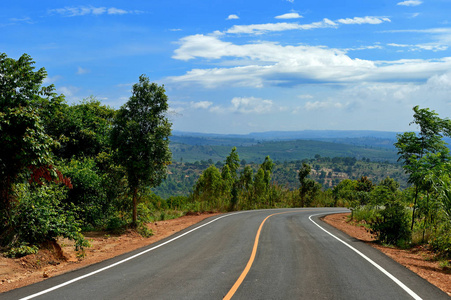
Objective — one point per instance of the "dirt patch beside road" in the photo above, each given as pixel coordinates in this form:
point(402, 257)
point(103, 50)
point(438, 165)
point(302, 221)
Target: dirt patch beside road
point(417, 259)
point(58, 258)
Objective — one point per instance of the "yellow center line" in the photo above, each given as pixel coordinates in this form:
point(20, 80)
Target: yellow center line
point(251, 260)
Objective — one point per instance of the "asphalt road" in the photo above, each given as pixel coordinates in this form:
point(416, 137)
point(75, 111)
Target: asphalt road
point(296, 257)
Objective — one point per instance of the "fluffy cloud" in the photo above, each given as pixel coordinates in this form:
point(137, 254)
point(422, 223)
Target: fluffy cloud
point(292, 15)
point(251, 105)
point(232, 17)
point(410, 3)
point(90, 10)
point(201, 104)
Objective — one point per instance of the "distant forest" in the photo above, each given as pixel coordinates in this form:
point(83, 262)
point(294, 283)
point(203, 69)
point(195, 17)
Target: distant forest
point(332, 159)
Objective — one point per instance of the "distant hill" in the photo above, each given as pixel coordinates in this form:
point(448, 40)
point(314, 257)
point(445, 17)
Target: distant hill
point(365, 138)
point(278, 150)
point(286, 145)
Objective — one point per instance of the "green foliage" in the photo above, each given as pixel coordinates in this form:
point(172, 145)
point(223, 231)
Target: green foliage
point(89, 193)
point(83, 130)
point(22, 136)
point(22, 250)
point(39, 215)
point(391, 225)
point(233, 162)
point(424, 153)
point(140, 137)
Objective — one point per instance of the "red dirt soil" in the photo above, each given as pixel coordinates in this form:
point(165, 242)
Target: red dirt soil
point(58, 258)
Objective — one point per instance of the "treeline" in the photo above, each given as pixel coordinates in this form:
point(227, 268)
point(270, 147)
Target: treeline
point(325, 170)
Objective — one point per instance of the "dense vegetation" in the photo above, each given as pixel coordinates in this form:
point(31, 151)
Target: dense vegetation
point(325, 170)
point(69, 168)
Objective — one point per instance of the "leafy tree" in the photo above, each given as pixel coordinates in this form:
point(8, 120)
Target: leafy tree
point(140, 136)
point(209, 185)
point(308, 186)
point(233, 161)
point(422, 153)
point(26, 147)
point(83, 130)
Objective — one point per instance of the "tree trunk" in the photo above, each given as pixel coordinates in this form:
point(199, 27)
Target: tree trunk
point(135, 207)
point(414, 207)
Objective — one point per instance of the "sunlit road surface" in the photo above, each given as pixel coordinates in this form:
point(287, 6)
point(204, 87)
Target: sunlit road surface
point(263, 254)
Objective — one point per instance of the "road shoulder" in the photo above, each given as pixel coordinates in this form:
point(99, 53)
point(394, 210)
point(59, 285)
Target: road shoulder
point(419, 260)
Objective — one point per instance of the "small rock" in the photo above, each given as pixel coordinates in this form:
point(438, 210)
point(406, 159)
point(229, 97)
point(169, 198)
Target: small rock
point(45, 275)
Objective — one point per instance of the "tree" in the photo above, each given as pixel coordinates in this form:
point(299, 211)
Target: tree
point(209, 186)
point(308, 186)
point(140, 137)
point(233, 161)
point(25, 145)
point(83, 130)
point(422, 153)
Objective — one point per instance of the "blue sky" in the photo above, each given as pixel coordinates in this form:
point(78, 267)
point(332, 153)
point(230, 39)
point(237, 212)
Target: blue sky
point(246, 66)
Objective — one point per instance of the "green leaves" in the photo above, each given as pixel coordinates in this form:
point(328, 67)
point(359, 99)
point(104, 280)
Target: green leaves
point(140, 136)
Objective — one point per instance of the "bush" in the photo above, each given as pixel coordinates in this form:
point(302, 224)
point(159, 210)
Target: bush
point(22, 250)
point(391, 225)
point(441, 240)
point(39, 216)
point(88, 193)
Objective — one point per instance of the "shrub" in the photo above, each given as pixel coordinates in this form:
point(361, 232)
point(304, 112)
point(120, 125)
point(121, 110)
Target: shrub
point(391, 225)
point(39, 216)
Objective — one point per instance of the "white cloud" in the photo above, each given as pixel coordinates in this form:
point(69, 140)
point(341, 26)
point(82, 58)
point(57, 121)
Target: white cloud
point(68, 91)
point(410, 3)
point(429, 47)
point(364, 20)
point(116, 11)
point(201, 104)
point(90, 10)
point(51, 80)
point(251, 105)
point(440, 82)
point(232, 17)
point(321, 105)
point(259, 29)
point(263, 28)
point(81, 71)
point(271, 64)
point(292, 15)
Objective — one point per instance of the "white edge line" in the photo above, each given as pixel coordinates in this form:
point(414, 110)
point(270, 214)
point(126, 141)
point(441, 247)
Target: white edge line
point(124, 260)
point(396, 280)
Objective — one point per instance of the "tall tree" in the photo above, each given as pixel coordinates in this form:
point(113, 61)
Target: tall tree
point(233, 161)
point(424, 152)
point(308, 186)
point(140, 135)
point(25, 145)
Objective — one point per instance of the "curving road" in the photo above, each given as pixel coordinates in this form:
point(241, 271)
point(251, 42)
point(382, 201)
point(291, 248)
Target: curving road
point(264, 254)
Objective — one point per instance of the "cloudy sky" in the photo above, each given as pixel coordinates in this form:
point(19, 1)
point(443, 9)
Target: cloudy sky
point(235, 66)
